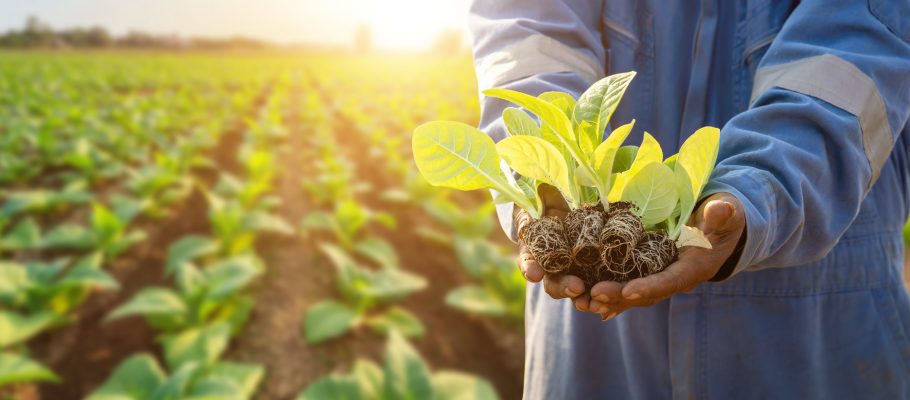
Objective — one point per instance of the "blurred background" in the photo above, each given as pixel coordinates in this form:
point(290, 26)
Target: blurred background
point(216, 199)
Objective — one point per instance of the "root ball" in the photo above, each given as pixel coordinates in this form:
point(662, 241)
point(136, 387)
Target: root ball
point(546, 240)
point(619, 237)
point(583, 228)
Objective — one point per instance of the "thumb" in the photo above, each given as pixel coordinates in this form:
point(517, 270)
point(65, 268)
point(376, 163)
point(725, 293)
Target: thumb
point(717, 214)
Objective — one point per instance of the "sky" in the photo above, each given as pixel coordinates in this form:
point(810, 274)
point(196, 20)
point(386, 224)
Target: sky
point(396, 24)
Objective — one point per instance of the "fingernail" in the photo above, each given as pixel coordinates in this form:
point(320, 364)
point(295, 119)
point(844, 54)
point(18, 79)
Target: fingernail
point(602, 298)
point(608, 317)
point(570, 293)
point(633, 296)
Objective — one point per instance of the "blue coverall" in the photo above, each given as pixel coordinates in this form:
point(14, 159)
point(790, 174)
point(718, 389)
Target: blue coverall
point(812, 98)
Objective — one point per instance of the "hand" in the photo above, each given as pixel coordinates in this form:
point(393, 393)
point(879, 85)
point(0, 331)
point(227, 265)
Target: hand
point(722, 220)
point(557, 286)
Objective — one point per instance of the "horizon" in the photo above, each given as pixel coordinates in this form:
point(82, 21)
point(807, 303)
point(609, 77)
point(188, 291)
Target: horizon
point(395, 24)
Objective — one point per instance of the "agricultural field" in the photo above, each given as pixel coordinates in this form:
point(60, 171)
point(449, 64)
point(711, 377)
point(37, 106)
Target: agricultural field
point(237, 226)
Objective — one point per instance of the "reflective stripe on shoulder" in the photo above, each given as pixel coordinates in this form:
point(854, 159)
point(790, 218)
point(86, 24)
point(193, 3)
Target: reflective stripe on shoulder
point(535, 54)
point(840, 83)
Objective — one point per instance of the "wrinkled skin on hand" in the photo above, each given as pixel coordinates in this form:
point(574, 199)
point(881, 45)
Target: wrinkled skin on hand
point(720, 217)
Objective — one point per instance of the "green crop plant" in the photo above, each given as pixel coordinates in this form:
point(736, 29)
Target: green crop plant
point(35, 297)
point(346, 222)
point(501, 289)
point(106, 232)
point(622, 224)
point(43, 201)
point(403, 375)
point(362, 290)
point(198, 373)
point(207, 294)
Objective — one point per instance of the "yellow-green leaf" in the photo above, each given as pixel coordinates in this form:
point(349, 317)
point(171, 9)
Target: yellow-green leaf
point(652, 189)
point(598, 103)
point(538, 159)
point(695, 161)
point(456, 155)
point(519, 123)
point(606, 151)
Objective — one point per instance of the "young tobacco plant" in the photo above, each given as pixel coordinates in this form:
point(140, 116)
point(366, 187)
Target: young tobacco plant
point(35, 297)
point(194, 358)
point(362, 289)
point(501, 289)
point(403, 375)
point(204, 295)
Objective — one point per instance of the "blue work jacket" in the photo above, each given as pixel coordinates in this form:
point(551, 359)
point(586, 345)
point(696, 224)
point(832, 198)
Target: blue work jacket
point(812, 99)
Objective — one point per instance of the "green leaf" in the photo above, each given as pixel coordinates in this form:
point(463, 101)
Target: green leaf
point(25, 235)
point(87, 272)
point(246, 376)
point(214, 388)
point(647, 153)
point(369, 378)
point(562, 100)
point(605, 155)
point(378, 250)
point(519, 123)
point(407, 376)
point(398, 319)
point(136, 378)
point(202, 345)
point(14, 283)
point(550, 116)
point(538, 159)
point(459, 156)
point(653, 190)
point(16, 368)
point(228, 276)
point(260, 221)
point(624, 157)
point(176, 385)
point(389, 285)
point(69, 236)
point(451, 385)
point(332, 388)
point(696, 160)
point(326, 320)
point(188, 249)
point(476, 300)
point(597, 104)
point(17, 328)
point(152, 302)
point(104, 222)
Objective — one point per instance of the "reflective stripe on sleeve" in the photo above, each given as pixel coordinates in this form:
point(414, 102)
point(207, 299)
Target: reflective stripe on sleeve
point(535, 54)
point(840, 83)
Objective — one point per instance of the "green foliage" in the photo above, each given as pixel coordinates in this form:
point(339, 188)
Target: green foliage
point(346, 222)
point(141, 377)
point(403, 375)
point(363, 290)
point(501, 291)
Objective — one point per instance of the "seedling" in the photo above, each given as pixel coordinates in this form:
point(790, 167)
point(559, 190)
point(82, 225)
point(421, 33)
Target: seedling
point(363, 290)
point(404, 375)
point(623, 223)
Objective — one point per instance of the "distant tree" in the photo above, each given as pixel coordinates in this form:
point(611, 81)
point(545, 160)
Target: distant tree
point(363, 39)
point(37, 33)
point(447, 42)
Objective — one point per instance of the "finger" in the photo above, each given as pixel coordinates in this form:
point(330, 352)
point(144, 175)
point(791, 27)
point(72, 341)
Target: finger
point(608, 292)
point(530, 268)
point(562, 286)
point(717, 215)
point(685, 272)
point(582, 302)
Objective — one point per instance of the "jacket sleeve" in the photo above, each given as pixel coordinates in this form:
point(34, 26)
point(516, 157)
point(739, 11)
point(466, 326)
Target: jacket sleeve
point(533, 47)
point(828, 100)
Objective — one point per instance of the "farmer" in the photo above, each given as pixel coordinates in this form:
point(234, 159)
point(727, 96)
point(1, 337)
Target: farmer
point(802, 294)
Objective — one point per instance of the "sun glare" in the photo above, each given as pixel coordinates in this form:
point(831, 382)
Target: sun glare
point(412, 24)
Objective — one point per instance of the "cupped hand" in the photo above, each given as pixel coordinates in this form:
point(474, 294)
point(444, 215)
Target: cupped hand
point(722, 220)
point(558, 286)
